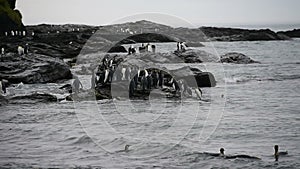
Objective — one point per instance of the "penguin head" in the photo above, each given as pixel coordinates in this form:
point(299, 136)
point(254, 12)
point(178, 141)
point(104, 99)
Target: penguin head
point(222, 150)
point(276, 147)
point(127, 147)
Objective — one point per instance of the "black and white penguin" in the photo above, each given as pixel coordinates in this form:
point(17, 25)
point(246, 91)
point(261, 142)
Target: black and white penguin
point(93, 80)
point(153, 48)
point(2, 51)
point(198, 93)
point(123, 70)
point(106, 74)
point(77, 84)
point(222, 154)
point(20, 50)
point(277, 153)
point(26, 49)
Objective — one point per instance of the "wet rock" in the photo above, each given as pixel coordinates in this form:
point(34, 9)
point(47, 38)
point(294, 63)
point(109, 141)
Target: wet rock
point(33, 68)
point(196, 56)
point(117, 49)
point(32, 98)
point(147, 37)
point(194, 77)
point(237, 58)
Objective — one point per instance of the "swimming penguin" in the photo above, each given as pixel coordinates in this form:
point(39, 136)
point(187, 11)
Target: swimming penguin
point(20, 50)
point(277, 153)
point(20, 85)
point(126, 149)
point(222, 154)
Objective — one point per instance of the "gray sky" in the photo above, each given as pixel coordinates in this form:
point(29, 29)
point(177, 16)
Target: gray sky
point(197, 12)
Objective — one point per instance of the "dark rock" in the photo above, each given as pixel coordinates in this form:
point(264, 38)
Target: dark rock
point(117, 49)
point(147, 37)
point(196, 56)
point(237, 58)
point(33, 98)
point(194, 77)
point(10, 19)
point(33, 68)
point(292, 33)
point(194, 44)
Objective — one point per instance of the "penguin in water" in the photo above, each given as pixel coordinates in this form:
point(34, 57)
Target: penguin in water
point(126, 149)
point(277, 153)
point(222, 154)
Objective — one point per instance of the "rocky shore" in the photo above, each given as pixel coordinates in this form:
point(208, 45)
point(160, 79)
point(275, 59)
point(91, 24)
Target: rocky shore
point(37, 54)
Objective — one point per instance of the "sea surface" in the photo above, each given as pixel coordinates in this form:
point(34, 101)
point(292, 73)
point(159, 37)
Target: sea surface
point(252, 108)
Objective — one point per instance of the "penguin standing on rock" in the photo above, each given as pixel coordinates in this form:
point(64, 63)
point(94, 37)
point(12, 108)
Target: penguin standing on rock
point(20, 50)
point(2, 51)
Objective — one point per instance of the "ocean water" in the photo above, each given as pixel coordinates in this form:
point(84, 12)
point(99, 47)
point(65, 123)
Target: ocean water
point(252, 108)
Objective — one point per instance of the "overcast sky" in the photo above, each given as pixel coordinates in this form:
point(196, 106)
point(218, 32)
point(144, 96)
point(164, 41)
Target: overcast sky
point(197, 12)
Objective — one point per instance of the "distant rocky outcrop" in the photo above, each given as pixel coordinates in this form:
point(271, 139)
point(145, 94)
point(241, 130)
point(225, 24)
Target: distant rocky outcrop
point(33, 68)
point(10, 18)
point(235, 34)
point(291, 33)
point(237, 58)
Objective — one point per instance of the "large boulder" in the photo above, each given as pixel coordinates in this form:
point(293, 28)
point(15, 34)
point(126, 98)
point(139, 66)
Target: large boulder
point(194, 77)
point(10, 19)
point(237, 58)
point(33, 68)
point(196, 56)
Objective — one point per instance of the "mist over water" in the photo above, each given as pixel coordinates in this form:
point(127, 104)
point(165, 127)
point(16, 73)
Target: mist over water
point(261, 110)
